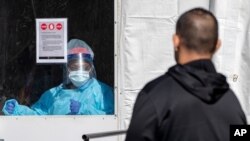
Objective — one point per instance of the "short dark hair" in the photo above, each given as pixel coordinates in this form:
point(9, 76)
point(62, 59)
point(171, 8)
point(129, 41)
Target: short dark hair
point(198, 30)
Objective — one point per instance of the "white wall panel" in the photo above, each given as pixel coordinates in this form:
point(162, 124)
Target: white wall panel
point(146, 48)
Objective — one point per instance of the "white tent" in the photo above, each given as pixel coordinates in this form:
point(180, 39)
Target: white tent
point(146, 48)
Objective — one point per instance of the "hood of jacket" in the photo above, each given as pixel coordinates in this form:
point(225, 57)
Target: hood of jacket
point(200, 79)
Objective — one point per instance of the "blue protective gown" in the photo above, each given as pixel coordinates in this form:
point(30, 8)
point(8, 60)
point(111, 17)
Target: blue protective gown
point(96, 98)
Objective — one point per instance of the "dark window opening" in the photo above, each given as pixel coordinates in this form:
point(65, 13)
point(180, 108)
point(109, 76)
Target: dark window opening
point(20, 77)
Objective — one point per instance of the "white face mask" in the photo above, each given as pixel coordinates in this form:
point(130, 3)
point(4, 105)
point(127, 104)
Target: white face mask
point(78, 78)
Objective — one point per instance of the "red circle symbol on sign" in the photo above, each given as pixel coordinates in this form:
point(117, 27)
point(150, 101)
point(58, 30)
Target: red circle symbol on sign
point(43, 26)
point(51, 26)
point(59, 26)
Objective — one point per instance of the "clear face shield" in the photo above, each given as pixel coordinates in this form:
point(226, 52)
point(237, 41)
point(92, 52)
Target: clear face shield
point(80, 68)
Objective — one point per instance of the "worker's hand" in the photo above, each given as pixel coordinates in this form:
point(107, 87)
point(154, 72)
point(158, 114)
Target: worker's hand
point(74, 106)
point(10, 106)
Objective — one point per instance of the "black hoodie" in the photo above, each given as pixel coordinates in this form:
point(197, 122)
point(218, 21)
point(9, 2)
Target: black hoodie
point(191, 102)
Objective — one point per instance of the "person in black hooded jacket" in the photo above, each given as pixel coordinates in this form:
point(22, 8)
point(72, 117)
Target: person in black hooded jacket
point(191, 102)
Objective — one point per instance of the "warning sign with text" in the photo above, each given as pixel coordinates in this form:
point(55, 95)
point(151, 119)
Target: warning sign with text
point(51, 40)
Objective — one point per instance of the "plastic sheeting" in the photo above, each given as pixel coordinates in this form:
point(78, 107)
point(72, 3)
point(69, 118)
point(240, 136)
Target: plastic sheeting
point(233, 58)
point(146, 48)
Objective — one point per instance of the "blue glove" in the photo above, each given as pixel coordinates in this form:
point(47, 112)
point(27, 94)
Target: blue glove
point(74, 106)
point(10, 106)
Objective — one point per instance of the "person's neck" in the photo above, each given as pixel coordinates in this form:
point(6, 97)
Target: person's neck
point(189, 56)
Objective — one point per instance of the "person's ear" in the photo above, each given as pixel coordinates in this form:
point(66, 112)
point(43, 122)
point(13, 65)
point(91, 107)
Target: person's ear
point(218, 45)
point(176, 42)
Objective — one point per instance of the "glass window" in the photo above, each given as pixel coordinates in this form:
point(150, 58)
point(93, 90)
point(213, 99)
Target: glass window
point(20, 77)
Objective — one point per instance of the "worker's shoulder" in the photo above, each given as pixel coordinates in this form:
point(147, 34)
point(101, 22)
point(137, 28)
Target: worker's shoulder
point(103, 86)
point(162, 81)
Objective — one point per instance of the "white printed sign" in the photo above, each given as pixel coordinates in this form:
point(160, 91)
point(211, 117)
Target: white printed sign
point(51, 40)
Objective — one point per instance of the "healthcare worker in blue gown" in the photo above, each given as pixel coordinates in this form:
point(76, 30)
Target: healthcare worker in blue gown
point(80, 94)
